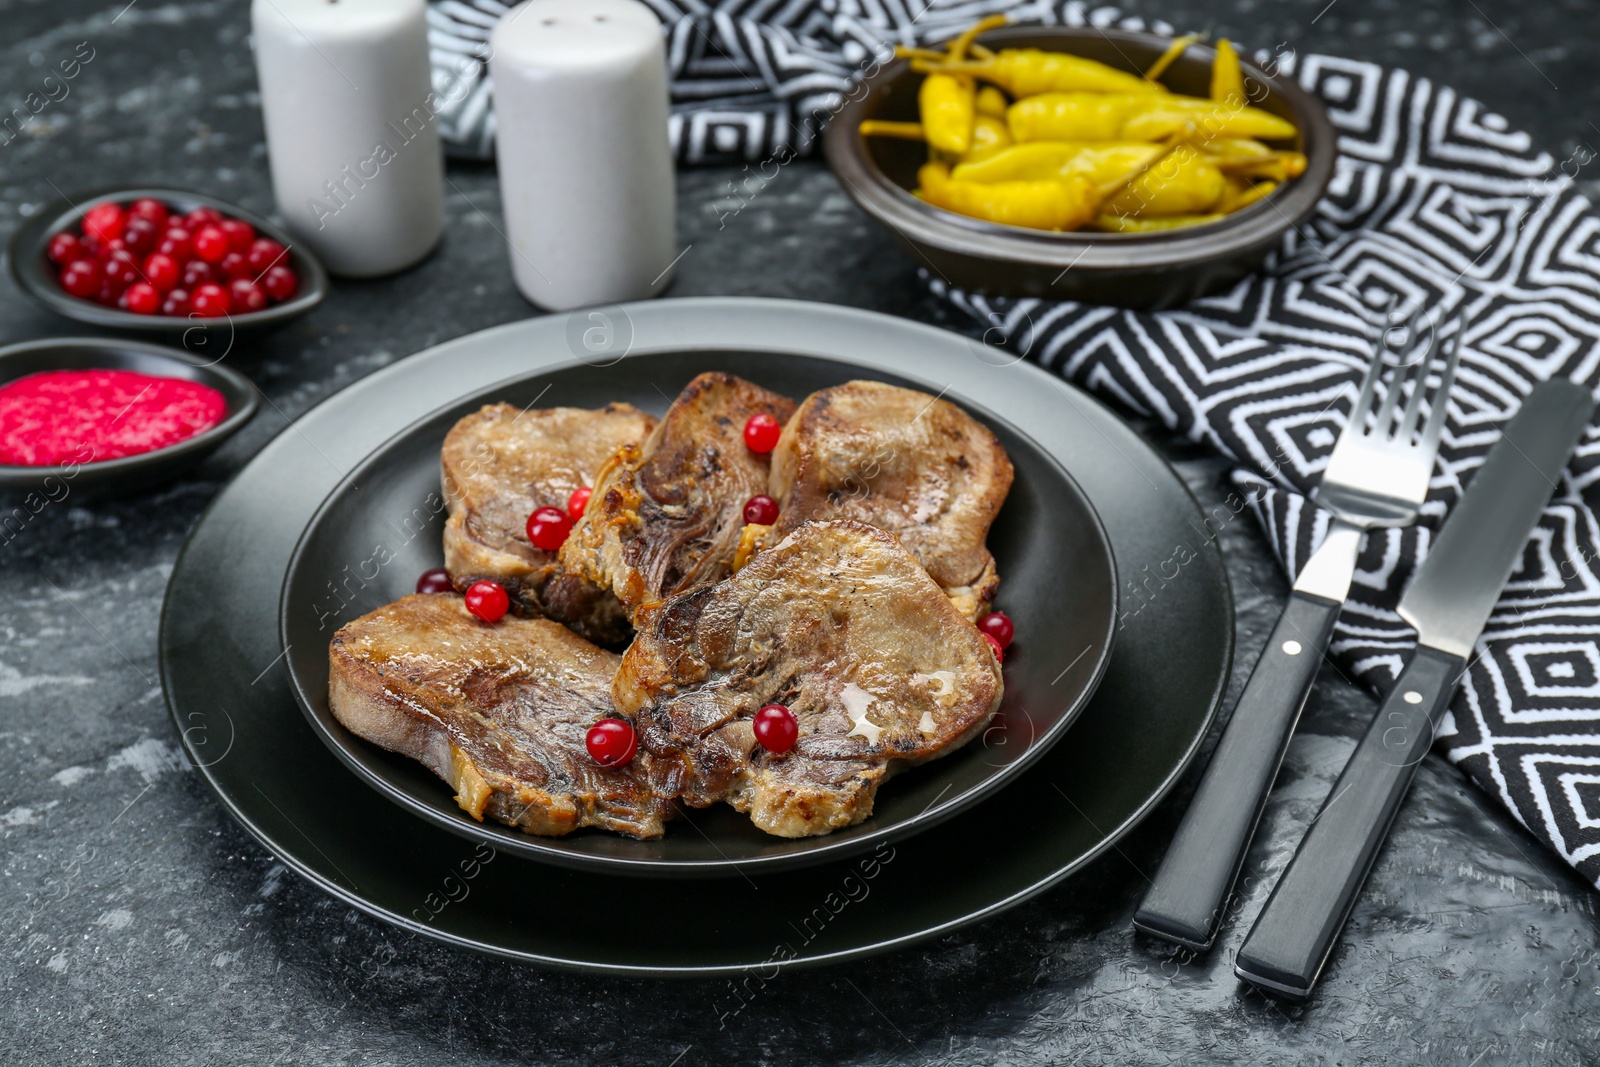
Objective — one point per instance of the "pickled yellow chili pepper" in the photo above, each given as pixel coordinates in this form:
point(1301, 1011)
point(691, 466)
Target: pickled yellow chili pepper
point(1063, 204)
point(1136, 117)
point(989, 135)
point(1029, 71)
point(1242, 194)
point(1128, 224)
point(1167, 58)
point(1070, 116)
point(948, 109)
point(904, 131)
point(1181, 184)
point(992, 101)
point(1208, 117)
point(1227, 80)
point(1099, 161)
point(960, 45)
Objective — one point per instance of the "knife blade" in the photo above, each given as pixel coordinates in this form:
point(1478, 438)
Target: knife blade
point(1448, 602)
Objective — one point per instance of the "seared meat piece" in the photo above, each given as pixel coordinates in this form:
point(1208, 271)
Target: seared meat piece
point(902, 461)
point(666, 517)
point(839, 623)
point(499, 712)
point(501, 463)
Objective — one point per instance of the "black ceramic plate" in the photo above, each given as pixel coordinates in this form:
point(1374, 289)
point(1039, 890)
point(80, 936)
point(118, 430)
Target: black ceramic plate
point(36, 275)
point(128, 473)
point(1058, 583)
point(228, 692)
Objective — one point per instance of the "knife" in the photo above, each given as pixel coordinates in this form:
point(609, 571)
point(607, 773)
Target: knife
point(1448, 602)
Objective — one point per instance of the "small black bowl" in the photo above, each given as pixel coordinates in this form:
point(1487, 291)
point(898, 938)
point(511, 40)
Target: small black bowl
point(114, 477)
point(1145, 271)
point(38, 277)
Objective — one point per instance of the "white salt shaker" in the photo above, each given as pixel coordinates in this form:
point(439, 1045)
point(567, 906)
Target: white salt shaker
point(350, 113)
point(580, 101)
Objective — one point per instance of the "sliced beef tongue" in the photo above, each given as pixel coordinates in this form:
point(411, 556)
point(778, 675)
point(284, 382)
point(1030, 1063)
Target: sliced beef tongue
point(903, 461)
point(500, 712)
point(501, 463)
point(839, 623)
point(666, 516)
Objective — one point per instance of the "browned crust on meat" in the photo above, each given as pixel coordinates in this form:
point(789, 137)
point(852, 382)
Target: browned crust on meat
point(903, 461)
point(666, 516)
point(497, 711)
point(839, 623)
point(501, 463)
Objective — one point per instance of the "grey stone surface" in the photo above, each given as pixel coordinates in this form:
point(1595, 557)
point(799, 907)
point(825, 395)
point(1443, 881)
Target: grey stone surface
point(139, 925)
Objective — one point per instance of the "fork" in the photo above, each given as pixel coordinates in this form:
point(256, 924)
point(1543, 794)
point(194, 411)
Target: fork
point(1377, 476)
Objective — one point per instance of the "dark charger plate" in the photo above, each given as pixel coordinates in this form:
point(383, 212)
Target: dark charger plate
point(228, 692)
point(381, 527)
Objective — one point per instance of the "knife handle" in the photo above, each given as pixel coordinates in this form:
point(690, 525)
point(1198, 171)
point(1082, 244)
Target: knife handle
point(1286, 949)
point(1186, 900)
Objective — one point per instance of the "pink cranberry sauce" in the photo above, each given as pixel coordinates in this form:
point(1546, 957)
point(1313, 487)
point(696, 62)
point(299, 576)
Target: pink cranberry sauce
point(85, 416)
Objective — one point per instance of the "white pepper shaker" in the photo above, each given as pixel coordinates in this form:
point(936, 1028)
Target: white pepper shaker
point(350, 113)
point(586, 178)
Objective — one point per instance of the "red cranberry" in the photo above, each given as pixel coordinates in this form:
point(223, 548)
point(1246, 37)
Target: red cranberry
point(105, 221)
point(435, 581)
point(178, 243)
point(162, 271)
point(280, 282)
point(211, 244)
point(998, 625)
point(997, 648)
point(776, 728)
point(487, 600)
point(83, 278)
point(105, 248)
point(141, 236)
point(264, 253)
point(121, 267)
point(761, 509)
point(578, 503)
point(211, 301)
point(196, 274)
point(141, 298)
point(245, 295)
point(177, 303)
point(548, 528)
point(611, 742)
point(233, 266)
point(200, 217)
point(110, 293)
point(64, 248)
point(154, 210)
point(241, 235)
point(761, 432)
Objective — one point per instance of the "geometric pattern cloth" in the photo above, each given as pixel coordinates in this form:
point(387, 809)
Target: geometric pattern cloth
point(1437, 209)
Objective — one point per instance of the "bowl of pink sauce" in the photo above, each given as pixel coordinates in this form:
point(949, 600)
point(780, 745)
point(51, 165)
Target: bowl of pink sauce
point(98, 416)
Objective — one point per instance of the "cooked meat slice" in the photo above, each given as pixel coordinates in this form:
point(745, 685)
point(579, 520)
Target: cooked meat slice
point(498, 466)
point(499, 712)
point(902, 461)
point(666, 516)
point(839, 623)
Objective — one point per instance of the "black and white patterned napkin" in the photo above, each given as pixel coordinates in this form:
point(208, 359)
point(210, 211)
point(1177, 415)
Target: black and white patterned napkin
point(1436, 204)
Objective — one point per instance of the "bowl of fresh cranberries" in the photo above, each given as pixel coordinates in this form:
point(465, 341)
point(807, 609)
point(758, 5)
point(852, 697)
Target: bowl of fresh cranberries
point(163, 261)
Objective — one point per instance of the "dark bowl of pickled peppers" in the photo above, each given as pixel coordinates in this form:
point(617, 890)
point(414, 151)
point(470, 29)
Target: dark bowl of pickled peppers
point(1152, 200)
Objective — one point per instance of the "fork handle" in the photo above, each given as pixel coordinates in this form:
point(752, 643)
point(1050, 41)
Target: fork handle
point(1186, 901)
point(1296, 930)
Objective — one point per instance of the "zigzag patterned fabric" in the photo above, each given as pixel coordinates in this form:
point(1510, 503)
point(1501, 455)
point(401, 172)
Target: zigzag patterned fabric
point(1436, 205)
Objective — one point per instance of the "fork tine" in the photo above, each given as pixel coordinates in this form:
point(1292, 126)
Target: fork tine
point(1441, 398)
point(1382, 425)
point(1408, 419)
point(1360, 409)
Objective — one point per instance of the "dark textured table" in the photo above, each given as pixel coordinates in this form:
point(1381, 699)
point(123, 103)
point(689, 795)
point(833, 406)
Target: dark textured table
point(139, 925)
